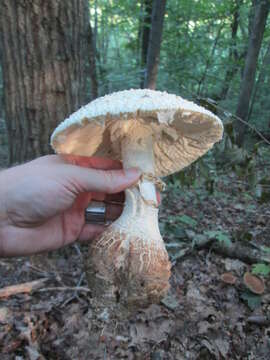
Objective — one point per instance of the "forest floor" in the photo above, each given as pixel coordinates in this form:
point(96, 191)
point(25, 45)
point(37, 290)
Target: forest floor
point(201, 318)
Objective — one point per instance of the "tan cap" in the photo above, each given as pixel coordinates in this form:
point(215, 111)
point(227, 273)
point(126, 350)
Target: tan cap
point(182, 131)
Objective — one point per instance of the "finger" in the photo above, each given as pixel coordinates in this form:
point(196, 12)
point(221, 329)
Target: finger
point(113, 211)
point(93, 162)
point(90, 231)
point(108, 181)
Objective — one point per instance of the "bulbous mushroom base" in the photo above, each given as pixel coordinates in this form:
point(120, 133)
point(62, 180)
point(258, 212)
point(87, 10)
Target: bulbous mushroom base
point(129, 270)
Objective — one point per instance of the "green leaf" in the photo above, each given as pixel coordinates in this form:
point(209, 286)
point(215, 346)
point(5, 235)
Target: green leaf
point(261, 269)
point(265, 249)
point(218, 235)
point(188, 220)
point(253, 301)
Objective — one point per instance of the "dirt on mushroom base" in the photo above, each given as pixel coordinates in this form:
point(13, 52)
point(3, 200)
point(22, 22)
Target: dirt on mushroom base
point(202, 318)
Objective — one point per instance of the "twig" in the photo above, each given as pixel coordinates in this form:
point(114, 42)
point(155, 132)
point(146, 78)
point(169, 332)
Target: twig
point(78, 251)
point(235, 251)
point(75, 295)
point(247, 184)
point(25, 288)
point(250, 126)
point(65, 288)
point(259, 320)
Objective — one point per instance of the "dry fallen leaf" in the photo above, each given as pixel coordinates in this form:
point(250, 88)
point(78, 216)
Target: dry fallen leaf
point(254, 283)
point(152, 332)
point(228, 278)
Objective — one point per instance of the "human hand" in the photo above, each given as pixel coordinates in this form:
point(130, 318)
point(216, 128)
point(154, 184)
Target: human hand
point(42, 202)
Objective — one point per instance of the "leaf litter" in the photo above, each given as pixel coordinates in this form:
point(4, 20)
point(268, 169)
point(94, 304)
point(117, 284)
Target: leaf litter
point(202, 316)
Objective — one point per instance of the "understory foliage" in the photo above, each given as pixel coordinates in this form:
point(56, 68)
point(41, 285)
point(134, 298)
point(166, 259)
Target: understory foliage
point(198, 51)
point(204, 45)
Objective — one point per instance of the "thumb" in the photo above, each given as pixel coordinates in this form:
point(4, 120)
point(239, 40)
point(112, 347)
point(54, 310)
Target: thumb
point(107, 181)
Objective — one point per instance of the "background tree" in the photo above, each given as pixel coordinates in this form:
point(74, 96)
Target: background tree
point(145, 30)
point(262, 78)
point(254, 46)
point(92, 63)
point(44, 52)
point(233, 52)
point(153, 51)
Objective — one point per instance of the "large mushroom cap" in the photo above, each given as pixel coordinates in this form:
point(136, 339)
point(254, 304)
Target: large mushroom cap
point(182, 131)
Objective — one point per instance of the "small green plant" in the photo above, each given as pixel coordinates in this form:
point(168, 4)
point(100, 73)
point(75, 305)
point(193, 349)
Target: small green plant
point(261, 269)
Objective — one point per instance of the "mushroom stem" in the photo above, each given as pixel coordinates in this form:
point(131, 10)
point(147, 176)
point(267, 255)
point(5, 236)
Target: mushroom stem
point(137, 151)
point(130, 259)
point(139, 218)
point(140, 214)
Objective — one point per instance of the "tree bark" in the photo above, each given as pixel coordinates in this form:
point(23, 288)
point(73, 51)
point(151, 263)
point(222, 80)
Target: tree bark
point(146, 26)
point(92, 61)
point(44, 52)
point(153, 51)
point(254, 45)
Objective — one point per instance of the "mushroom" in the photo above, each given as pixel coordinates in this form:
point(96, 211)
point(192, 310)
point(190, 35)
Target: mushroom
point(254, 283)
point(160, 133)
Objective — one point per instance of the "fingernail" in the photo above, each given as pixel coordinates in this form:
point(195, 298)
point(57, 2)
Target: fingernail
point(133, 173)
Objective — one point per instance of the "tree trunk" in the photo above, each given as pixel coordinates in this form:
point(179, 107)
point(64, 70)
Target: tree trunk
point(208, 62)
point(146, 26)
point(102, 42)
point(254, 45)
point(100, 68)
point(44, 52)
point(153, 51)
point(264, 69)
point(92, 61)
point(233, 54)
